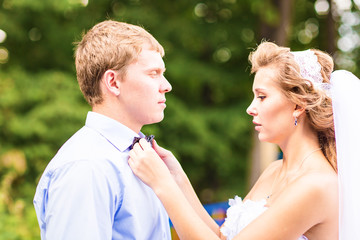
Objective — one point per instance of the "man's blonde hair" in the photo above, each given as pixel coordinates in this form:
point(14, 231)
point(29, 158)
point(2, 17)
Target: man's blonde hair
point(108, 45)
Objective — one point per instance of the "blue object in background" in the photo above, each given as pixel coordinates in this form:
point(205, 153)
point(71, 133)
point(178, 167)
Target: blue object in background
point(216, 210)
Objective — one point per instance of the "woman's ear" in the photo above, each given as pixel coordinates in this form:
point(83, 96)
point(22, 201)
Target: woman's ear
point(298, 111)
point(111, 80)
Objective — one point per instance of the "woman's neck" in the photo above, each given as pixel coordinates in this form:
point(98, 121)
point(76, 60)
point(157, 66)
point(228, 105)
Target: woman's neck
point(300, 145)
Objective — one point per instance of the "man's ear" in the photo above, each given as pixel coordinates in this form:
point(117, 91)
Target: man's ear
point(298, 111)
point(111, 80)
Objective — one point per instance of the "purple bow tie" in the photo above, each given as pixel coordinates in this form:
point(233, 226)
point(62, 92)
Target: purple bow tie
point(147, 138)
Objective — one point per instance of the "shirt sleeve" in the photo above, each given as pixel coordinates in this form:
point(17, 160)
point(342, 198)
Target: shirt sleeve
point(80, 203)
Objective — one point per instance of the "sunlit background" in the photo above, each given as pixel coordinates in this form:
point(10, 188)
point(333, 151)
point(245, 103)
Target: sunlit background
point(207, 44)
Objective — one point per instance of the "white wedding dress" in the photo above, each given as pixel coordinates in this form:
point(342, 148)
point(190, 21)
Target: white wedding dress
point(240, 214)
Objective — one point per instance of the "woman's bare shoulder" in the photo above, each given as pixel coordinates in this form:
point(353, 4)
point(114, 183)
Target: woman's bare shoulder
point(319, 176)
point(319, 189)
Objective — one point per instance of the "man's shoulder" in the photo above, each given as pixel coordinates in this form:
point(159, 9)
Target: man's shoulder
point(77, 165)
point(87, 146)
point(81, 138)
point(86, 141)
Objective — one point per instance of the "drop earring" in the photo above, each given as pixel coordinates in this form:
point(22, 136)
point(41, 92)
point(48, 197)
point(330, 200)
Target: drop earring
point(295, 123)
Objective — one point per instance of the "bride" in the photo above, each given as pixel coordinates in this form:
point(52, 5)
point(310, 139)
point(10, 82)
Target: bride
point(294, 198)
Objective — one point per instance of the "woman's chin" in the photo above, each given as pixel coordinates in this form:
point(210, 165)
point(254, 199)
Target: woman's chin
point(263, 138)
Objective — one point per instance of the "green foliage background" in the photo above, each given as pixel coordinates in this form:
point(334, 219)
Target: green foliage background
point(207, 44)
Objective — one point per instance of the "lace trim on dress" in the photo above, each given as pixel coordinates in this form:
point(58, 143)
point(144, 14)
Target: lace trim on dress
point(240, 214)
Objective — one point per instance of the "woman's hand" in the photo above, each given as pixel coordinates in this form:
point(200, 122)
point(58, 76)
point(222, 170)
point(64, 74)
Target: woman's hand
point(148, 166)
point(171, 162)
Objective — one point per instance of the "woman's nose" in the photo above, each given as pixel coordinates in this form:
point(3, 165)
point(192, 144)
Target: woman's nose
point(251, 109)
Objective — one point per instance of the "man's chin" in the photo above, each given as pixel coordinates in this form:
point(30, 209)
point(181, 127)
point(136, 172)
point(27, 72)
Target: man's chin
point(155, 120)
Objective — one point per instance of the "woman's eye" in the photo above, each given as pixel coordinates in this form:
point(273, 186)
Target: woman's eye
point(261, 97)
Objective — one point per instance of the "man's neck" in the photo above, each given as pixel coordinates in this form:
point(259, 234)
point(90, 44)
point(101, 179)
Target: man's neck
point(117, 115)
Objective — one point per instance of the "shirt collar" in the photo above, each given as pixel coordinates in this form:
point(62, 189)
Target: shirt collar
point(116, 133)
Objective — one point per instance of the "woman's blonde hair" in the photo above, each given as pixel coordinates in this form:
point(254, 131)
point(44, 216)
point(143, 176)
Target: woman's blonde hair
point(317, 104)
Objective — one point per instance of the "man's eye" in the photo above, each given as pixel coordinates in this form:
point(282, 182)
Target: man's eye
point(154, 73)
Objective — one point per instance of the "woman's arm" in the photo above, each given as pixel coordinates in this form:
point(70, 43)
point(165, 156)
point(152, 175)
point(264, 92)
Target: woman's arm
point(189, 193)
point(170, 183)
point(187, 222)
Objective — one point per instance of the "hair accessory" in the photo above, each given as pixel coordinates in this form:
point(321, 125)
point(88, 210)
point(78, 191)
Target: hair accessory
point(310, 69)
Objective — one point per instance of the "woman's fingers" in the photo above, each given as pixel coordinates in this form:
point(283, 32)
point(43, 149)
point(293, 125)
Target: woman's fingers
point(132, 154)
point(162, 152)
point(156, 146)
point(141, 151)
point(145, 145)
point(137, 148)
point(146, 164)
point(131, 161)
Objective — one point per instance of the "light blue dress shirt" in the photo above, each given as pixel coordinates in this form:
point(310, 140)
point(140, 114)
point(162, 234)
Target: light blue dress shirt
point(88, 190)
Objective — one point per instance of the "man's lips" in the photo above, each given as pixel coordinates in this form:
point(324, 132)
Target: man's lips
point(162, 102)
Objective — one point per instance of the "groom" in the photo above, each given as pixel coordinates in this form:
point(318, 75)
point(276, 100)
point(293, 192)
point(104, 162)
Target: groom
point(88, 190)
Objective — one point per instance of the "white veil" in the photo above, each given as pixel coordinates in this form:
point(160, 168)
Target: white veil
point(346, 106)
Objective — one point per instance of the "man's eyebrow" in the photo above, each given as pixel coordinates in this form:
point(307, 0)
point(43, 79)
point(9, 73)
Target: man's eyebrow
point(157, 69)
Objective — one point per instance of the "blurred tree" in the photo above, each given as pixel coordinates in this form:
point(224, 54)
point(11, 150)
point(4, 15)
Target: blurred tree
point(276, 21)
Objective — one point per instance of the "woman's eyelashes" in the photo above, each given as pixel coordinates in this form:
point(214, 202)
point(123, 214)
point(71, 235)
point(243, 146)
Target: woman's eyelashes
point(261, 97)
